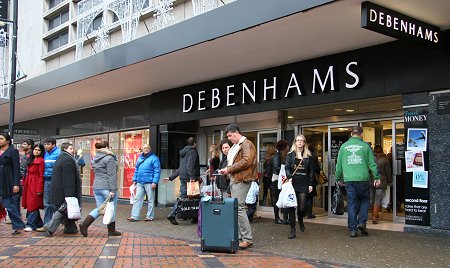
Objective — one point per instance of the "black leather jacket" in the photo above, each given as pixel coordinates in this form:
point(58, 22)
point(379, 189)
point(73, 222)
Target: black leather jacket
point(276, 163)
point(309, 167)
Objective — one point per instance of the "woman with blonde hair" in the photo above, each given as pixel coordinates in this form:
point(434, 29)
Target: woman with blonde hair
point(300, 170)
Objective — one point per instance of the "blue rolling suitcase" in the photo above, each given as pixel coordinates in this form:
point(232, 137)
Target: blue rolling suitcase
point(219, 225)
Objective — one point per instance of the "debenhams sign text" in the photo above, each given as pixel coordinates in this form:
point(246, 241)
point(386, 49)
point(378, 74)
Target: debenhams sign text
point(213, 99)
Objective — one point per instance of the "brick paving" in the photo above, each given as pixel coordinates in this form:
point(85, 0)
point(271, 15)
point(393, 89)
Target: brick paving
point(33, 249)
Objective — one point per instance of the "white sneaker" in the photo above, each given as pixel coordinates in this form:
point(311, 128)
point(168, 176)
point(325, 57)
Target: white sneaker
point(28, 229)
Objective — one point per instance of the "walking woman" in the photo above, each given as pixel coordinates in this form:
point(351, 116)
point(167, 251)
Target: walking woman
point(377, 192)
point(299, 168)
point(33, 188)
point(10, 181)
point(105, 185)
point(278, 159)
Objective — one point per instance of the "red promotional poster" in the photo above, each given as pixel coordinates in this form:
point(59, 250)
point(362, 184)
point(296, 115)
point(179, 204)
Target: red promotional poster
point(132, 150)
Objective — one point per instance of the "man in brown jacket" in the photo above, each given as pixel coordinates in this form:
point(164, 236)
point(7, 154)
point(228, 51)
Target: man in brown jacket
point(242, 170)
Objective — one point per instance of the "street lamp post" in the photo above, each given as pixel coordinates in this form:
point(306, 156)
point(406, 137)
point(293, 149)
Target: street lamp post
point(12, 95)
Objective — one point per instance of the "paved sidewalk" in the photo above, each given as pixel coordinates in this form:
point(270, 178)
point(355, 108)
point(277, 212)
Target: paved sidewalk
point(161, 244)
point(130, 250)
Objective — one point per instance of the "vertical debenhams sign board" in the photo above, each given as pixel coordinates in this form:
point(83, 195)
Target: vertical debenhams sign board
point(385, 21)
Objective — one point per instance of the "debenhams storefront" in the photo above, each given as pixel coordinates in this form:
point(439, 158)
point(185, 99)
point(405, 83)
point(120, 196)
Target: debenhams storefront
point(394, 91)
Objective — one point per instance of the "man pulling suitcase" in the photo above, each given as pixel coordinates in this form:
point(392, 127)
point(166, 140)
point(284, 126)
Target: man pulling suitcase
point(242, 170)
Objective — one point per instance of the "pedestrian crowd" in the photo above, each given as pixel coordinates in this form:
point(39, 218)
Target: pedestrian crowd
point(46, 175)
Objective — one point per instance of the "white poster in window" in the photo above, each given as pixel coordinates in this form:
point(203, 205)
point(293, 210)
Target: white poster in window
point(420, 179)
point(417, 139)
point(414, 161)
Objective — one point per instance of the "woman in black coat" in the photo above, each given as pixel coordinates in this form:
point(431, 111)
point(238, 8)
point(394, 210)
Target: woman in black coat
point(300, 169)
point(10, 182)
point(66, 182)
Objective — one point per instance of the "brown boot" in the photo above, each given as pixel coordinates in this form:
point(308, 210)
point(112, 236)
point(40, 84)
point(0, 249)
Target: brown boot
point(85, 224)
point(112, 229)
point(375, 214)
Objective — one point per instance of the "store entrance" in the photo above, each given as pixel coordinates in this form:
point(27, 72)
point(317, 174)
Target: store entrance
point(326, 139)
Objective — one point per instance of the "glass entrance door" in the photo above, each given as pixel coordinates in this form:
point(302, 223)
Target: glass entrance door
point(266, 150)
point(337, 135)
point(398, 168)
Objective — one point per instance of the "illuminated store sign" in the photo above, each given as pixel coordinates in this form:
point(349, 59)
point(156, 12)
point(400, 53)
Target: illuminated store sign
point(385, 21)
point(267, 89)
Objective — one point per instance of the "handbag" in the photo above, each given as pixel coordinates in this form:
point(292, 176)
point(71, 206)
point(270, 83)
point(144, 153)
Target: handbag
point(73, 208)
point(287, 197)
point(337, 201)
point(109, 213)
point(321, 177)
point(193, 188)
point(102, 207)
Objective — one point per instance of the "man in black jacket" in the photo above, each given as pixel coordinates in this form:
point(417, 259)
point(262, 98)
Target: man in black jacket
point(65, 183)
point(189, 170)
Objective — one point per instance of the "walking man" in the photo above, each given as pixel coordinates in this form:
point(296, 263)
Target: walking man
point(242, 170)
point(355, 159)
point(51, 154)
point(189, 170)
point(66, 182)
point(146, 178)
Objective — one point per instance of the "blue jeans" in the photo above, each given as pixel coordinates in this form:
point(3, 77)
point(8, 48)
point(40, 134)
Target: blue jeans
point(141, 189)
point(183, 195)
point(100, 197)
point(34, 219)
point(10, 203)
point(358, 198)
point(49, 209)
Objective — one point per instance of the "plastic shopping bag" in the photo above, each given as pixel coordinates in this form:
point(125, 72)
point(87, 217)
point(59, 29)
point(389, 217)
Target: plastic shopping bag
point(287, 197)
point(337, 201)
point(73, 208)
point(252, 193)
point(132, 193)
point(109, 213)
point(281, 175)
point(386, 197)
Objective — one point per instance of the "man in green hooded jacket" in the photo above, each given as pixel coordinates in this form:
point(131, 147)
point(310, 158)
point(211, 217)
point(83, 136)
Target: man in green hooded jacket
point(355, 164)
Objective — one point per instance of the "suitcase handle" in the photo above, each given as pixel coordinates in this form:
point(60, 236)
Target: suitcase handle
point(213, 190)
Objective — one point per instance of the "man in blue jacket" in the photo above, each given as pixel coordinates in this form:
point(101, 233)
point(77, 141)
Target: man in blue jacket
point(145, 178)
point(51, 154)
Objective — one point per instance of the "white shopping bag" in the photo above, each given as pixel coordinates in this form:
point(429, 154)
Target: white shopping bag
point(252, 194)
point(132, 193)
point(287, 197)
point(73, 208)
point(386, 197)
point(281, 175)
point(109, 213)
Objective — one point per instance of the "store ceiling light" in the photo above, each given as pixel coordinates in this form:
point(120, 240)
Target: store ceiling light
point(337, 109)
point(350, 110)
point(290, 117)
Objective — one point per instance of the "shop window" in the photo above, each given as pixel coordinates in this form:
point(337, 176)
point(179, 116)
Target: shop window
point(127, 146)
point(58, 19)
point(58, 41)
point(85, 149)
